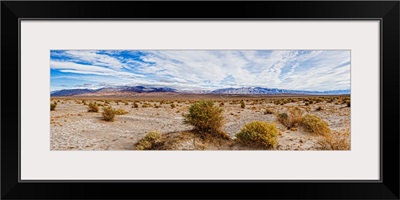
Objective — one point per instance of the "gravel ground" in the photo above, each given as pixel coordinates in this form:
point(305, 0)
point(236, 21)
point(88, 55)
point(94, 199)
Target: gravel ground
point(73, 128)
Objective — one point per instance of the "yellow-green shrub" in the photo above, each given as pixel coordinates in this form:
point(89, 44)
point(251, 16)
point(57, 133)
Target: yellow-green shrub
point(108, 113)
point(53, 106)
point(259, 133)
point(149, 141)
point(315, 125)
point(93, 107)
point(121, 112)
point(205, 117)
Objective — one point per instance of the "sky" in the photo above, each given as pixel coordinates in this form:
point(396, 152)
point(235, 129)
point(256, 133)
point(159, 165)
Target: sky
point(201, 69)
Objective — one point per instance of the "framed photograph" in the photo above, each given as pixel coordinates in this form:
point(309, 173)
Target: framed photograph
point(300, 96)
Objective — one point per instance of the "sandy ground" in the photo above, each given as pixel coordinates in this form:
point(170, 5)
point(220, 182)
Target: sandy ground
point(74, 128)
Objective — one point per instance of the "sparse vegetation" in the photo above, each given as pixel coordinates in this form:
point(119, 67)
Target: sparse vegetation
point(348, 103)
point(292, 119)
point(258, 133)
point(93, 107)
point(336, 140)
point(121, 112)
point(149, 142)
point(206, 118)
point(268, 111)
point(315, 125)
point(214, 122)
point(242, 104)
point(53, 106)
point(108, 114)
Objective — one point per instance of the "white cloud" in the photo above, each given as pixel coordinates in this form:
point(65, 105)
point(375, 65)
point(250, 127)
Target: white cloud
point(182, 69)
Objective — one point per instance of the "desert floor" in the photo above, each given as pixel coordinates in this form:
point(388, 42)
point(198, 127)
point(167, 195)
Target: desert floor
point(74, 128)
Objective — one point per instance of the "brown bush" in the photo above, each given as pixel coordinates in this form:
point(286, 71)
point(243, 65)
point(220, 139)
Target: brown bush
point(336, 140)
point(293, 119)
point(108, 113)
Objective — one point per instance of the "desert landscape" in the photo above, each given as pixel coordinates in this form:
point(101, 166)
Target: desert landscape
point(121, 100)
point(73, 127)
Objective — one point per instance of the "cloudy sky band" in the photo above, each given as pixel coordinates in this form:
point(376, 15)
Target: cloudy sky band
point(201, 69)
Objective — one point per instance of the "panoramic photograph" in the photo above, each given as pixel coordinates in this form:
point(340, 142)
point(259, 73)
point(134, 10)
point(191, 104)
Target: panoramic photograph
point(265, 100)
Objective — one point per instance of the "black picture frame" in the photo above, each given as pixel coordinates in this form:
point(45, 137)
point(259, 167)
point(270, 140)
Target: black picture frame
point(386, 11)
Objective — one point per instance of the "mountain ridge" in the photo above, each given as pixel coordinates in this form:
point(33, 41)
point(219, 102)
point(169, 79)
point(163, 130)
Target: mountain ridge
point(128, 90)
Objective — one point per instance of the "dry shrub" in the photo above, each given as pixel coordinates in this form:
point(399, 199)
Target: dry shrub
point(53, 106)
point(315, 125)
point(121, 112)
point(258, 133)
point(93, 107)
point(293, 119)
point(348, 103)
point(336, 140)
point(268, 111)
point(284, 119)
point(146, 105)
point(108, 114)
point(206, 118)
point(149, 141)
point(135, 105)
point(242, 104)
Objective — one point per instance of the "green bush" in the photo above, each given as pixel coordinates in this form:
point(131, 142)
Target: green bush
point(205, 117)
point(258, 133)
point(149, 141)
point(315, 125)
point(93, 107)
point(53, 106)
point(108, 114)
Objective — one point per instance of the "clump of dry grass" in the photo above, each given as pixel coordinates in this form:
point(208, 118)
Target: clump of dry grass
point(348, 103)
point(336, 140)
point(146, 105)
point(108, 114)
point(242, 104)
point(319, 108)
point(149, 142)
point(135, 105)
point(315, 125)
point(258, 133)
point(293, 119)
point(268, 111)
point(53, 106)
point(121, 112)
point(93, 107)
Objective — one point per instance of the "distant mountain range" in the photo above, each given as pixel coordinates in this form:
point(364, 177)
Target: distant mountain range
point(137, 90)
